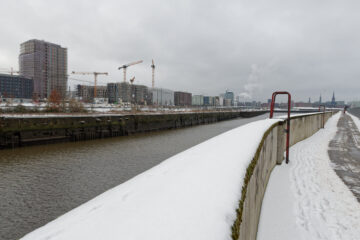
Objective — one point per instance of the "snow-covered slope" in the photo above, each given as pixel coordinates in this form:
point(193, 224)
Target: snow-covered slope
point(306, 199)
point(192, 195)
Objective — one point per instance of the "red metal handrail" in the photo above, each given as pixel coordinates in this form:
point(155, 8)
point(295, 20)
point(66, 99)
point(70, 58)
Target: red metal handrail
point(323, 118)
point(288, 119)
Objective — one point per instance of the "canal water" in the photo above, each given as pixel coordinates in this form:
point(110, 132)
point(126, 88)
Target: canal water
point(40, 183)
point(355, 111)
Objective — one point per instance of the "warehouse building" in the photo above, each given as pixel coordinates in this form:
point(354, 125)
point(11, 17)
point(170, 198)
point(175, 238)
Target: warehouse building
point(13, 86)
point(182, 98)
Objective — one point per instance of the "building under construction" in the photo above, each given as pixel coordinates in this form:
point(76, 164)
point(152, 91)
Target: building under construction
point(141, 94)
point(46, 64)
point(119, 92)
point(86, 93)
point(125, 92)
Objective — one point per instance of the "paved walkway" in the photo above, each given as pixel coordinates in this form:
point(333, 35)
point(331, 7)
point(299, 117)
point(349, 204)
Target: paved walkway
point(344, 152)
point(306, 199)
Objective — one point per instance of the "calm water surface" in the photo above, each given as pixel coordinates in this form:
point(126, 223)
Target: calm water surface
point(40, 183)
point(355, 111)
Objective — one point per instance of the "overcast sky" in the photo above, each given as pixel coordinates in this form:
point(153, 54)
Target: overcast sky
point(308, 47)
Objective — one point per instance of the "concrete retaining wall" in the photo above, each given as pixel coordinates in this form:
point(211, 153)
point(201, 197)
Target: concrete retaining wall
point(16, 132)
point(270, 152)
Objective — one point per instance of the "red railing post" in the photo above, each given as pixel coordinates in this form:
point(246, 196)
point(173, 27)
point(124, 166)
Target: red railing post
point(323, 117)
point(288, 119)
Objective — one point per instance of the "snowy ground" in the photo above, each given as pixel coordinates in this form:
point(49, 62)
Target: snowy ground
point(306, 199)
point(192, 195)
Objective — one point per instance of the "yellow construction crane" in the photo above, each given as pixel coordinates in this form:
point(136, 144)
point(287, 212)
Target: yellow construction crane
point(95, 77)
point(125, 66)
point(153, 73)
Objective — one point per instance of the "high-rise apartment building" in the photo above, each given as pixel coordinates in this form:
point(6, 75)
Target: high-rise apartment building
point(46, 64)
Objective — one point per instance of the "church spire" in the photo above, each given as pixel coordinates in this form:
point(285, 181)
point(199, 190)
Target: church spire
point(333, 102)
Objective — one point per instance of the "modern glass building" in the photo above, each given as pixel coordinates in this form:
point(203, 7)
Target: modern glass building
point(162, 97)
point(197, 100)
point(13, 86)
point(46, 64)
point(229, 97)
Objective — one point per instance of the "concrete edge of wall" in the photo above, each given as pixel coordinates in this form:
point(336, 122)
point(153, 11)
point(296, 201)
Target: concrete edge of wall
point(270, 152)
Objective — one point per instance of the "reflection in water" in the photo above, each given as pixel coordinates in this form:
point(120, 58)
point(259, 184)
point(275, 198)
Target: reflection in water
point(40, 183)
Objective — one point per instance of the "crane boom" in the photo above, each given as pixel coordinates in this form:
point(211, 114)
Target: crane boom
point(90, 73)
point(95, 77)
point(125, 66)
point(133, 63)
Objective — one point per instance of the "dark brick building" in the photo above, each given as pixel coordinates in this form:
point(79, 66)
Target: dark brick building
point(182, 98)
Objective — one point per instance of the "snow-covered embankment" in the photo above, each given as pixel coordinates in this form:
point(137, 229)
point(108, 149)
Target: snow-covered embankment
point(192, 195)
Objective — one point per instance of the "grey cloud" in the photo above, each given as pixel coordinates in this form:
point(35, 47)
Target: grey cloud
point(306, 47)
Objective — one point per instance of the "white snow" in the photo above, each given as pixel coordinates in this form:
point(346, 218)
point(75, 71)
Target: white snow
point(306, 199)
point(192, 195)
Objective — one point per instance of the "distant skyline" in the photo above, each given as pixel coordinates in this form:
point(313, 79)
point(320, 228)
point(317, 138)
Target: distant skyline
point(205, 47)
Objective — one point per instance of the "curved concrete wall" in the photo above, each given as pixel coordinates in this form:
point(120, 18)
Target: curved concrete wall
point(270, 152)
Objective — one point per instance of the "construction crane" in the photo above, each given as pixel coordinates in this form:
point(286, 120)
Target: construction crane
point(153, 73)
point(11, 71)
point(132, 80)
point(125, 66)
point(80, 80)
point(95, 77)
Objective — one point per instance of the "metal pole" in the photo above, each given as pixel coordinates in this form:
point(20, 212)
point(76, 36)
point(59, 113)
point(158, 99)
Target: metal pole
point(288, 130)
point(323, 116)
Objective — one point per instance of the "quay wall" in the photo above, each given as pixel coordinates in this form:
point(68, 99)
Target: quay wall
point(24, 131)
point(270, 152)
